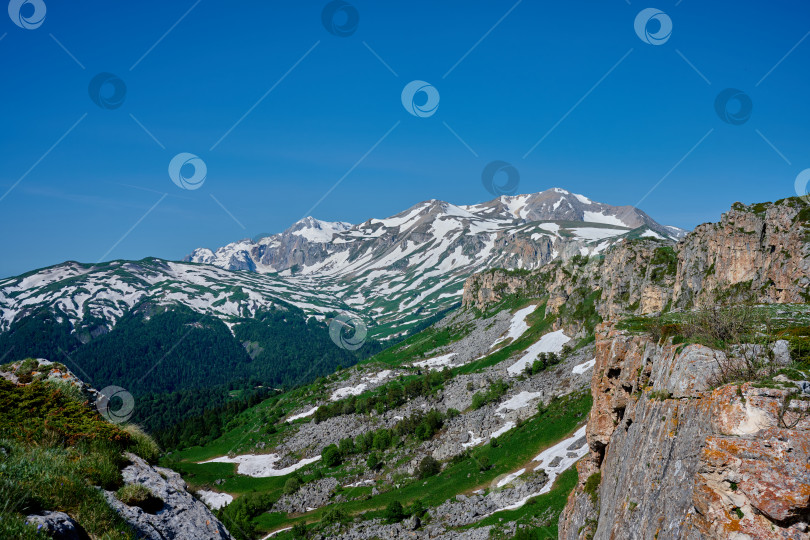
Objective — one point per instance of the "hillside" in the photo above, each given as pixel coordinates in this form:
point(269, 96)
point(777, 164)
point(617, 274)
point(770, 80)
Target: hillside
point(470, 428)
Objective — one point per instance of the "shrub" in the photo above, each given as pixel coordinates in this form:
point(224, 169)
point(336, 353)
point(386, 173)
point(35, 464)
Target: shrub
point(347, 447)
point(743, 333)
point(429, 467)
point(417, 508)
point(140, 496)
point(292, 485)
point(382, 439)
point(496, 390)
point(592, 485)
point(483, 463)
point(331, 456)
point(299, 530)
point(373, 461)
point(394, 512)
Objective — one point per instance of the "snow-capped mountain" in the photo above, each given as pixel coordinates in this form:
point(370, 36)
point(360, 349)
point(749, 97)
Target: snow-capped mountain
point(392, 272)
point(560, 219)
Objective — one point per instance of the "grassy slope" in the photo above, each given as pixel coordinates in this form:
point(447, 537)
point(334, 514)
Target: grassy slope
point(517, 447)
point(53, 450)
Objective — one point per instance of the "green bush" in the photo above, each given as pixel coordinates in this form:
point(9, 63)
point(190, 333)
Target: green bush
point(331, 456)
point(483, 463)
point(429, 467)
point(495, 392)
point(394, 512)
point(299, 530)
point(382, 439)
point(292, 485)
point(373, 461)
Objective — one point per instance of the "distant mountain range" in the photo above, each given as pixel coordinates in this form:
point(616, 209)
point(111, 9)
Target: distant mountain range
point(315, 247)
point(392, 272)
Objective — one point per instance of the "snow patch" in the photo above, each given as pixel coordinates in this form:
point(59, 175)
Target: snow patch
point(341, 393)
point(214, 499)
point(509, 477)
point(582, 198)
point(651, 234)
point(551, 342)
point(517, 326)
point(582, 368)
point(302, 415)
point(599, 217)
point(500, 431)
point(593, 233)
point(518, 402)
point(261, 465)
point(436, 362)
point(474, 441)
point(568, 458)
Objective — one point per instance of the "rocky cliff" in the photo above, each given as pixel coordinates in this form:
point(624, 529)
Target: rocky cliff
point(672, 458)
point(759, 252)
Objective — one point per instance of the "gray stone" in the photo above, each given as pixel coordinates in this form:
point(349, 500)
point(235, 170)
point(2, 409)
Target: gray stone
point(58, 525)
point(182, 517)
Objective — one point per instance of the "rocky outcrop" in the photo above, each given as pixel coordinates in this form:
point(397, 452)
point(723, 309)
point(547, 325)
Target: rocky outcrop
point(182, 517)
point(677, 459)
point(313, 495)
point(760, 248)
point(759, 252)
point(57, 525)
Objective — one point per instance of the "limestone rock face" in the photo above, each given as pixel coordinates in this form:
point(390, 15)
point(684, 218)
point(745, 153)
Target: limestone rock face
point(679, 460)
point(762, 248)
point(182, 517)
point(759, 251)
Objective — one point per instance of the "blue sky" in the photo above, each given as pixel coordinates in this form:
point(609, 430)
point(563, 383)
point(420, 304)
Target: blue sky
point(616, 115)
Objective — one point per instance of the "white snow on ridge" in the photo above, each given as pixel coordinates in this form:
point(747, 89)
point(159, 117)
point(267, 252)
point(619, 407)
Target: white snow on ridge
point(377, 377)
point(582, 198)
point(594, 233)
point(551, 342)
point(582, 368)
point(517, 326)
point(474, 441)
point(560, 450)
point(599, 217)
point(261, 465)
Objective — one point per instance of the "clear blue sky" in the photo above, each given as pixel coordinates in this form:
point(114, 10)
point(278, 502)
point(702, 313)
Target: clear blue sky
point(523, 77)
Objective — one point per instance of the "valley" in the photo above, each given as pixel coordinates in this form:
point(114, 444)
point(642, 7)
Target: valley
point(526, 408)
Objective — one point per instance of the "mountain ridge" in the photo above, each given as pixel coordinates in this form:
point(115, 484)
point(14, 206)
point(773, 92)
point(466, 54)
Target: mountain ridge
point(270, 254)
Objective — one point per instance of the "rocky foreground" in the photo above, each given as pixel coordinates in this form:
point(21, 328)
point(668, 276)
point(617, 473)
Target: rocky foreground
point(677, 459)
